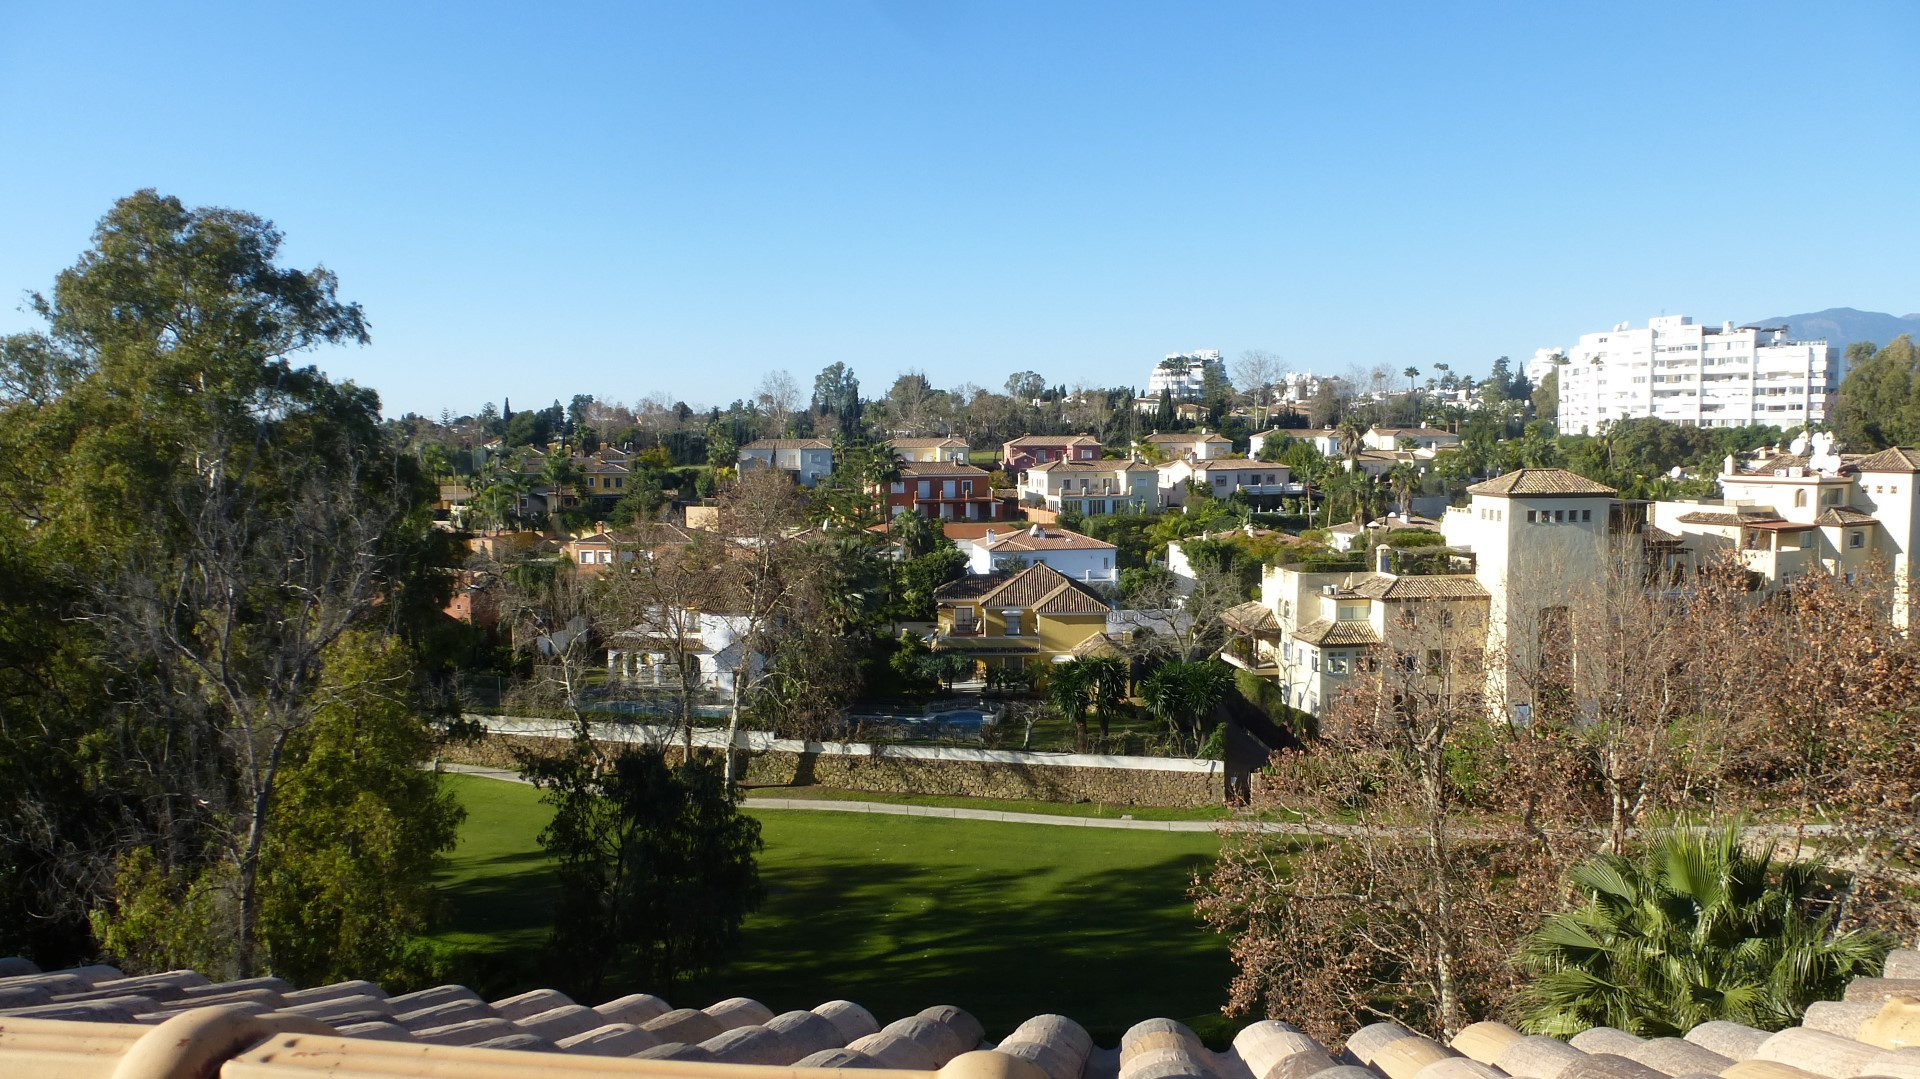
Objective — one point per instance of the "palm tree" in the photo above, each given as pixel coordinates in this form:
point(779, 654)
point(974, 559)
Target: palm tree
point(1107, 686)
point(558, 474)
point(1695, 928)
point(1405, 480)
point(1413, 394)
point(1067, 689)
point(1182, 694)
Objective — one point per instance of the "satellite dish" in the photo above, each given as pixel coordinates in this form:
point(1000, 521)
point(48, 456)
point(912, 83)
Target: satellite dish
point(1799, 444)
point(1676, 472)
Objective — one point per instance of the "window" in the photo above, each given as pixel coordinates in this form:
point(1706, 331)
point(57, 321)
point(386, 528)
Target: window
point(1531, 515)
point(926, 488)
point(1433, 661)
point(899, 487)
point(1446, 619)
point(966, 488)
point(1013, 622)
point(586, 558)
point(1799, 500)
point(1559, 516)
point(1337, 663)
point(1856, 539)
point(1586, 515)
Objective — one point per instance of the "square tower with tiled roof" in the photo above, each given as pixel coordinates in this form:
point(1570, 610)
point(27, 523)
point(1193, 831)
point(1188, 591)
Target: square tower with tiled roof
point(1540, 542)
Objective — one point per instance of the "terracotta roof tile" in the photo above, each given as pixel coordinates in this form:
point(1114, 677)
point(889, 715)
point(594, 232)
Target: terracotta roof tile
point(1329, 633)
point(1422, 586)
point(1539, 482)
point(787, 444)
point(1103, 465)
point(940, 468)
point(1732, 515)
point(87, 1020)
point(1025, 540)
point(1054, 440)
point(925, 443)
point(1897, 459)
point(1255, 617)
point(1038, 587)
point(1844, 515)
point(1179, 439)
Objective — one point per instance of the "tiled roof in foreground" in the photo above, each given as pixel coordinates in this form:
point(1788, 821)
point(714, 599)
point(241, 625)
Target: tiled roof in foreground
point(92, 1021)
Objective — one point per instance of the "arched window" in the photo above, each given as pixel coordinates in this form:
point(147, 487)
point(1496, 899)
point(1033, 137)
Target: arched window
point(1799, 500)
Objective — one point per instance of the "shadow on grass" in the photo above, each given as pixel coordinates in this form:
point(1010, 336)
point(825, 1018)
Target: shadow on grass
point(1109, 948)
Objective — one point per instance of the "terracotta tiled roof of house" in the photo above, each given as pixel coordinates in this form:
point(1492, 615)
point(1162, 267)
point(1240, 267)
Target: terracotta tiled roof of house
point(1422, 586)
point(1234, 463)
point(1255, 617)
point(947, 442)
point(911, 469)
point(1328, 633)
point(1347, 528)
point(1037, 538)
point(94, 1021)
point(1897, 459)
point(1100, 644)
point(1539, 482)
point(1207, 437)
point(1413, 432)
point(1054, 440)
point(1040, 588)
point(1730, 515)
point(1844, 515)
point(787, 444)
point(1413, 520)
point(1104, 465)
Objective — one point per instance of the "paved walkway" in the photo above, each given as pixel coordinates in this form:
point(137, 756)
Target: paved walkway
point(1771, 831)
point(826, 805)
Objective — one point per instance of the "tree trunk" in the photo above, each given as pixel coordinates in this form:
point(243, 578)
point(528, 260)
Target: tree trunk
point(249, 868)
point(733, 725)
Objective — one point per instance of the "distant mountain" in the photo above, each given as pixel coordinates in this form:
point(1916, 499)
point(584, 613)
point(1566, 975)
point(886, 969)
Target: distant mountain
point(1842, 326)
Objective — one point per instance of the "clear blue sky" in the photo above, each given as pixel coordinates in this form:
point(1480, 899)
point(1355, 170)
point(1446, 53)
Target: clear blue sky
point(534, 200)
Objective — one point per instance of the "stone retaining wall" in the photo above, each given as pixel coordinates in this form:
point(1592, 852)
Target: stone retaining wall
point(1047, 777)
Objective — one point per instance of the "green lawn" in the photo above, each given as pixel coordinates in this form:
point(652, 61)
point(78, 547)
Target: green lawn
point(896, 913)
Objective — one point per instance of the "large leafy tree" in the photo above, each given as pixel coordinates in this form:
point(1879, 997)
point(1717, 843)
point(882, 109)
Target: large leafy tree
point(1879, 401)
point(193, 520)
point(1695, 927)
point(656, 864)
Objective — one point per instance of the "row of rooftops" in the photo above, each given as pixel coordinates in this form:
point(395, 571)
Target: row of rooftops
point(97, 1022)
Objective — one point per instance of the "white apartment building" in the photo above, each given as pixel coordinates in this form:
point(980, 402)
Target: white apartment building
point(1183, 374)
point(1700, 376)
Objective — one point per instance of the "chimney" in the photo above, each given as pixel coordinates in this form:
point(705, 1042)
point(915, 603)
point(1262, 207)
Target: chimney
point(1726, 467)
point(1383, 558)
point(989, 538)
